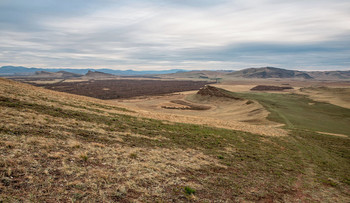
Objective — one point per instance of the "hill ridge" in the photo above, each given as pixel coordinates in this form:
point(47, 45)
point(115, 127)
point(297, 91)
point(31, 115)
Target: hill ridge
point(270, 72)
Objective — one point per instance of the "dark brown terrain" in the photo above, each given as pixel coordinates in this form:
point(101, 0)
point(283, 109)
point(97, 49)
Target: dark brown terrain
point(98, 74)
point(117, 89)
point(216, 92)
point(185, 105)
point(270, 88)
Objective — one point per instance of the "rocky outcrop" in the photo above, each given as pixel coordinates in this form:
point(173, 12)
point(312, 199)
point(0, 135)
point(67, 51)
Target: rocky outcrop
point(216, 92)
point(270, 88)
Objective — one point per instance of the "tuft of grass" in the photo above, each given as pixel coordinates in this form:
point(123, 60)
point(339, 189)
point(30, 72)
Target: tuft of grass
point(249, 102)
point(133, 155)
point(189, 191)
point(220, 157)
point(84, 157)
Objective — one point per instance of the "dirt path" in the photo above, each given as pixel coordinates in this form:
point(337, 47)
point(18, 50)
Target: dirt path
point(334, 134)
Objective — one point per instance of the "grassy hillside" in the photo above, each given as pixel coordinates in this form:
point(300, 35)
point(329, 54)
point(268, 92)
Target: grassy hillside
point(300, 112)
point(61, 147)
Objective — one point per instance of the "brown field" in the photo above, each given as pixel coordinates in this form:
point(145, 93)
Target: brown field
point(116, 89)
point(270, 88)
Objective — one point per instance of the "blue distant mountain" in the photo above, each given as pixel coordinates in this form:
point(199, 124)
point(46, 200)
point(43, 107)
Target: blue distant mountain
point(20, 70)
point(263, 72)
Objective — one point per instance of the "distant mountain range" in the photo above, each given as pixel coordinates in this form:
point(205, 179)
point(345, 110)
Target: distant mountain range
point(270, 72)
point(98, 74)
point(264, 72)
point(20, 70)
point(59, 74)
point(330, 74)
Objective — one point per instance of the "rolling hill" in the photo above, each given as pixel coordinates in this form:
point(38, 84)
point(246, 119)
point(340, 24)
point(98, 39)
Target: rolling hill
point(329, 75)
point(269, 72)
point(59, 147)
point(23, 71)
point(59, 74)
point(260, 73)
point(98, 74)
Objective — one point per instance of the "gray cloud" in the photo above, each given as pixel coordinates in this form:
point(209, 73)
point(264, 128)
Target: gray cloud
point(190, 34)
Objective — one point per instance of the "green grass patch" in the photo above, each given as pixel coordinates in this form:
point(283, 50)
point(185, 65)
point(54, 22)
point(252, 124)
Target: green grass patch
point(296, 112)
point(189, 190)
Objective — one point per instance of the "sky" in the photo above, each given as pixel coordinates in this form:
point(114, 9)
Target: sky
point(176, 34)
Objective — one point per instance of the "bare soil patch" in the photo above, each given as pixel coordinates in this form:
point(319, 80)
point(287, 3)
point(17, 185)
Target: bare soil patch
point(334, 134)
point(185, 105)
point(270, 88)
point(117, 89)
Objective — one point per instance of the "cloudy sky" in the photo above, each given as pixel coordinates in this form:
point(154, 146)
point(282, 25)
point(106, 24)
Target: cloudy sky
point(167, 34)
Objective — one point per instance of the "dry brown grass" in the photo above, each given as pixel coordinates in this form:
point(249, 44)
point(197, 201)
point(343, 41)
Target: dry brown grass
point(93, 170)
point(66, 167)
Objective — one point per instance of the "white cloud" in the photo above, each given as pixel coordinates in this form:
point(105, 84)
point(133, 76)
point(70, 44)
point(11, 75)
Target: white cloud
point(139, 34)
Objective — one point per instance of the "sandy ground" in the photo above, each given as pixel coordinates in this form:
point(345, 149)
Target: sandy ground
point(334, 134)
point(224, 112)
point(341, 99)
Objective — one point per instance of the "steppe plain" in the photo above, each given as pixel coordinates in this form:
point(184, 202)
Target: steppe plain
point(247, 146)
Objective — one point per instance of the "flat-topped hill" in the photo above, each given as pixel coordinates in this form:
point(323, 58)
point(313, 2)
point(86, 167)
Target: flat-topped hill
point(270, 72)
point(59, 74)
point(98, 74)
point(270, 88)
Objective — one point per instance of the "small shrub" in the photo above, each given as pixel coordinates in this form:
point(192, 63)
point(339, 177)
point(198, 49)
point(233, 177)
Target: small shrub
point(329, 182)
point(78, 196)
point(249, 102)
point(84, 157)
point(189, 190)
point(133, 155)
point(220, 157)
point(76, 146)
